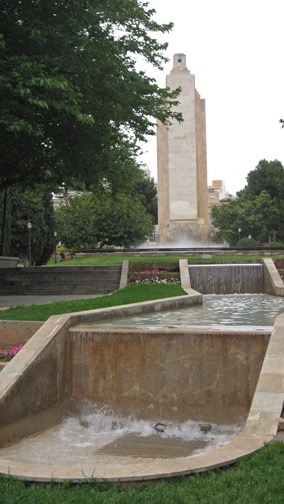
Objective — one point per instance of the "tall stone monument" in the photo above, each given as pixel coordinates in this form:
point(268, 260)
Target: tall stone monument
point(182, 166)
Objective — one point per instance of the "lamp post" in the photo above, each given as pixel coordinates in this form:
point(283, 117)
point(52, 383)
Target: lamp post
point(55, 235)
point(239, 231)
point(30, 248)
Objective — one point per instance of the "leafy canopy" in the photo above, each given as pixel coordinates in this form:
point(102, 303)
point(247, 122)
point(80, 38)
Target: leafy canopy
point(73, 103)
point(267, 176)
point(91, 221)
point(258, 209)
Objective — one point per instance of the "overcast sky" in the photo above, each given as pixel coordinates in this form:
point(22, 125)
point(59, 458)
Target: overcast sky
point(235, 50)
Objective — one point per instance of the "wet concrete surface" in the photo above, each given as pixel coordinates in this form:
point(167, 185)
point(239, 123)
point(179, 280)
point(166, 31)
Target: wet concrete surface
point(133, 445)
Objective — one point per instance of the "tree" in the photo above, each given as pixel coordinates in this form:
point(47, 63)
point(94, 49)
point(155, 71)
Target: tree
point(267, 176)
point(145, 188)
point(33, 206)
point(256, 217)
point(258, 209)
point(91, 221)
point(73, 104)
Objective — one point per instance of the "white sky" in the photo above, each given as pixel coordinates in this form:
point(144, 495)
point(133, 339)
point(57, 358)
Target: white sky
point(235, 50)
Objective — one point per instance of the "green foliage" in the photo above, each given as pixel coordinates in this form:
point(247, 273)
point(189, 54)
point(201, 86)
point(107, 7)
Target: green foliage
point(277, 244)
point(91, 221)
point(146, 190)
point(73, 102)
point(258, 210)
point(5, 223)
point(247, 243)
point(33, 206)
point(268, 176)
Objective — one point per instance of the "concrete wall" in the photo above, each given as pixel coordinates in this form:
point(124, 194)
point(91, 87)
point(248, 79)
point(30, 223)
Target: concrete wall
point(59, 280)
point(36, 383)
point(8, 262)
point(273, 283)
point(16, 332)
point(168, 374)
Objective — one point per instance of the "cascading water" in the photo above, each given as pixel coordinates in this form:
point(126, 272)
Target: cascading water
point(226, 278)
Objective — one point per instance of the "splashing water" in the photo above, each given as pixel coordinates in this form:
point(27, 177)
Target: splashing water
point(79, 438)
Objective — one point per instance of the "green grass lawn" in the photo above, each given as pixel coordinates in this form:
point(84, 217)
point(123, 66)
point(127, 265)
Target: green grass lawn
point(253, 480)
point(109, 259)
point(133, 293)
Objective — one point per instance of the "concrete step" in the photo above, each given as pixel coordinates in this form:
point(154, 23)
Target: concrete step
point(64, 280)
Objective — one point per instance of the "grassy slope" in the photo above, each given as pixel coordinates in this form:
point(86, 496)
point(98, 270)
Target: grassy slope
point(131, 294)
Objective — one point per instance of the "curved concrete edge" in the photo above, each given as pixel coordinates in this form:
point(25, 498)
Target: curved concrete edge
point(149, 469)
point(260, 429)
point(143, 470)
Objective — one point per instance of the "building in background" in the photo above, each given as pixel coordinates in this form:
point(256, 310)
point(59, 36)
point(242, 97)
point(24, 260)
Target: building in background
point(216, 192)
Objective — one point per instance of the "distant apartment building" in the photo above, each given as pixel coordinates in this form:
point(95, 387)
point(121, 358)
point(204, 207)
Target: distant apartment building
point(216, 193)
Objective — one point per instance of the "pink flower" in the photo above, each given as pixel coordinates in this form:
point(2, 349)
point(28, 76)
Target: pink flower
point(8, 354)
point(15, 349)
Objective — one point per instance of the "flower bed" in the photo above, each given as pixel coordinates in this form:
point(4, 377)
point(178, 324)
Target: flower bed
point(7, 354)
point(157, 274)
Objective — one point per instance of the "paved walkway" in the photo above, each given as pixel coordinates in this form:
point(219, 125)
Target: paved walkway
point(9, 301)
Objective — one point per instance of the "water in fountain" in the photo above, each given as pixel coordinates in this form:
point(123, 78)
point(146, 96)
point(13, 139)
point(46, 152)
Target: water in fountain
point(96, 433)
point(234, 311)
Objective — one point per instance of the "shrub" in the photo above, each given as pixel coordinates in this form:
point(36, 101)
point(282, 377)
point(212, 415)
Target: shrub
point(247, 243)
